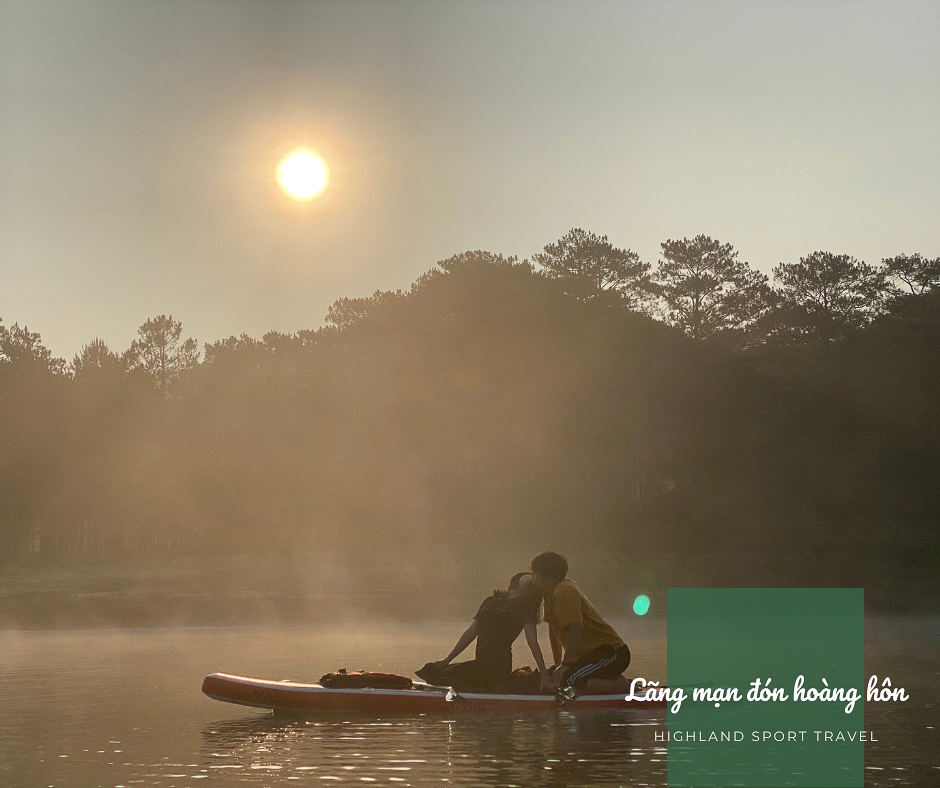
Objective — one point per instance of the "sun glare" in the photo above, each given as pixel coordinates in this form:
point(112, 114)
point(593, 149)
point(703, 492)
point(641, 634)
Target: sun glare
point(302, 174)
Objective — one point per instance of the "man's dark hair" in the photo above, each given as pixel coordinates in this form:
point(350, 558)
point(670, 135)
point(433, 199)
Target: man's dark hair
point(551, 565)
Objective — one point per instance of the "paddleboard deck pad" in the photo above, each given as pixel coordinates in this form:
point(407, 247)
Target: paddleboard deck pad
point(297, 698)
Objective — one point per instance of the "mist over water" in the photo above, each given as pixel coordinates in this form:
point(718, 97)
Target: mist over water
point(88, 695)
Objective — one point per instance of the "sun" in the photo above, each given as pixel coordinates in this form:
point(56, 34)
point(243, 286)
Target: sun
point(302, 174)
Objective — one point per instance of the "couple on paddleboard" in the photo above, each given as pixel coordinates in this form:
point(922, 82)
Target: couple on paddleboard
point(589, 656)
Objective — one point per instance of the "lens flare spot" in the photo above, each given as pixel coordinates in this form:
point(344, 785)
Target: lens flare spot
point(641, 605)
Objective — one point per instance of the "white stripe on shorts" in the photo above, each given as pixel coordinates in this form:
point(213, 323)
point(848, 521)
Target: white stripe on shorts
point(591, 667)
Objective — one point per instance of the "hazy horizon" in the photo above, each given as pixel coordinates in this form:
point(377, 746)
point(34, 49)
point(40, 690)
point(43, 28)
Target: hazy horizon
point(139, 142)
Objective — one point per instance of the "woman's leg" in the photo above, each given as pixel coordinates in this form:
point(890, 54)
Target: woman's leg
point(469, 676)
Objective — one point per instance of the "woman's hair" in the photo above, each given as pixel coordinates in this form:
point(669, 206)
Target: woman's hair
point(513, 582)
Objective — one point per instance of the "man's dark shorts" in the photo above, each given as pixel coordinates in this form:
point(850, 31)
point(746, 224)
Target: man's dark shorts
point(603, 662)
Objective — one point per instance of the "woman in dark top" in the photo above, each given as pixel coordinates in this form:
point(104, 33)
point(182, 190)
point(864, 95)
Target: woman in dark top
point(495, 627)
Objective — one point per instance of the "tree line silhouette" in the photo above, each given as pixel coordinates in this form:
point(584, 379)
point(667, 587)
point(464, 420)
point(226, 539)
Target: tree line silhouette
point(769, 430)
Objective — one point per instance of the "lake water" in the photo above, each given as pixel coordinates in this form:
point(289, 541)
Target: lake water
point(124, 708)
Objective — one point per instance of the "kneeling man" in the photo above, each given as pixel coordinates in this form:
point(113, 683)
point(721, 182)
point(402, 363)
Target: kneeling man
point(585, 647)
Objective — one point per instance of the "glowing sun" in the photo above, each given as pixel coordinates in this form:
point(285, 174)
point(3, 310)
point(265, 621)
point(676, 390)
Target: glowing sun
point(302, 174)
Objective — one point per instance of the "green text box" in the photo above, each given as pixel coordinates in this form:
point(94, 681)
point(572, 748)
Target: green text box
point(727, 638)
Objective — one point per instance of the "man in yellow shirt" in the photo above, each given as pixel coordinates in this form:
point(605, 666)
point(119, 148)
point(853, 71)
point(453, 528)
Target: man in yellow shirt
point(584, 646)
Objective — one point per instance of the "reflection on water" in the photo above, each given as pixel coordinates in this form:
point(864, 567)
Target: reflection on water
point(564, 749)
point(124, 709)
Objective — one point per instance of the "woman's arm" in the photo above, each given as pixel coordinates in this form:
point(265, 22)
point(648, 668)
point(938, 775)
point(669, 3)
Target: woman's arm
point(465, 640)
point(532, 638)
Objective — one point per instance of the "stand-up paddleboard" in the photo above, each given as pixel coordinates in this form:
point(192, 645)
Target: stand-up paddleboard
point(293, 697)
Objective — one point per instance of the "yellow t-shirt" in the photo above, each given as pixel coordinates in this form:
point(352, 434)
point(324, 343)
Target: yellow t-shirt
point(565, 605)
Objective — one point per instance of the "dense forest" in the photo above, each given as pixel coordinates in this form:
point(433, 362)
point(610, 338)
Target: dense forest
point(691, 421)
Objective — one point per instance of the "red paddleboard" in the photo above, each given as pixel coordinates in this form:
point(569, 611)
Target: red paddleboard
point(293, 697)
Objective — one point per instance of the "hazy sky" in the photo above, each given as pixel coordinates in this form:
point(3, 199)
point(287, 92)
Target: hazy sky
point(139, 140)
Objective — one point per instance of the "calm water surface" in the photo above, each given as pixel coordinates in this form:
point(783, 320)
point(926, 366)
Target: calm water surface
point(124, 708)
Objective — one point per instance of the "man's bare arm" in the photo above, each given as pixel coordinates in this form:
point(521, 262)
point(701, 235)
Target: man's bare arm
point(557, 650)
point(572, 642)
